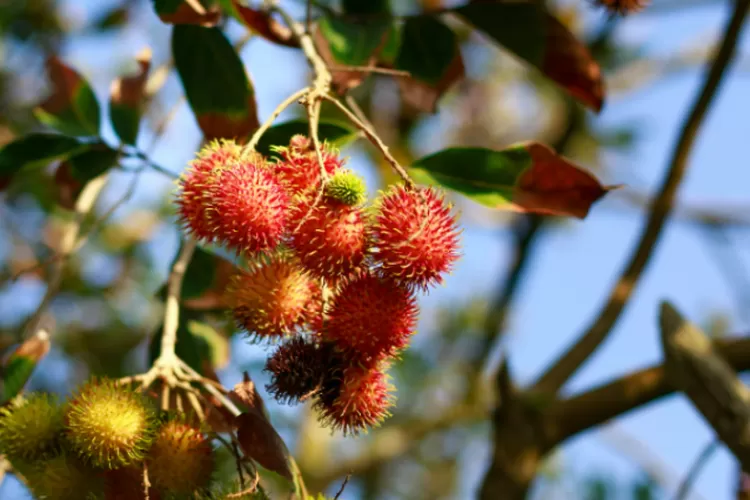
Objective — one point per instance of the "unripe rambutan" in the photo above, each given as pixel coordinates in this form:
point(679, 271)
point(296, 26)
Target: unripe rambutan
point(181, 460)
point(330, 239)
point(362, 400)
point(371, 316)
point(193, 193)
point(275, 298)
point(109, 425)
point(248, 208)
point(64, 477)
point(346, 187)
point(299, 170)
point(30, 428)
point(623, 7)
point(299, 368)
point(416, 236)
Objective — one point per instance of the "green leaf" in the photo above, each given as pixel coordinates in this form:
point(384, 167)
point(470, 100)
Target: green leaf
point(517, 26)
point(92, 162)
point(427, 48)
point(279, 135)
point(180, 12)
point(534, 35)
point(216, 85)
point(527, 177)
point(213, 346)
point(72, 107)
point(36, 150)
point(353, 43)
point(200, 274)
point(126, 100)
point(20, 365)
point(365, 7)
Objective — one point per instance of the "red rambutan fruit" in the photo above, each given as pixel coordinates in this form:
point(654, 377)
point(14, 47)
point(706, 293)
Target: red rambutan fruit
point(299, 369)
point(249, 207)
point(372, 317)
point(362, 401)
point(275, 298)
point(193, 192)
point(330, 239)
point(298, 168)
point(416, 236)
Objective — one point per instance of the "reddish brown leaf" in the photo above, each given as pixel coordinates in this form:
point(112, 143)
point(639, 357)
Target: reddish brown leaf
point(246, 394)
point(129, 90)
point(220, 125)
point(260, 442)
point(65, 84)
point(266, 26)
point(555, 186)
point(424, 97)
point(68, 186)
point(186, 14)
point(342, 80)
point(568, 62)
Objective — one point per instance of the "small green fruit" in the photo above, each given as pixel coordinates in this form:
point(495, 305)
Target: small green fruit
point(346, 187)
point(30, 428)
point(109, 425)
point(64, 477)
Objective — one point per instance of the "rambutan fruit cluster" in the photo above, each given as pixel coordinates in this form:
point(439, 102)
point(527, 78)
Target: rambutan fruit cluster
point(332, 278)
point(98, 443)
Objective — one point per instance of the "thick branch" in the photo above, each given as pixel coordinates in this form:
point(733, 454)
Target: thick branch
point(698, 370)
point(563, 368)
point(615, 398)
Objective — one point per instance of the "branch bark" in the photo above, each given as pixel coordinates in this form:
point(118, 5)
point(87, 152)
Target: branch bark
point(569, 362)
point(698, 370)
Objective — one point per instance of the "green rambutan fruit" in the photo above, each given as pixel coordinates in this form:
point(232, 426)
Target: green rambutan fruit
point(30, 428)
point(346, 187)
point(181, 459)
point(109, 425)
point(64, 477)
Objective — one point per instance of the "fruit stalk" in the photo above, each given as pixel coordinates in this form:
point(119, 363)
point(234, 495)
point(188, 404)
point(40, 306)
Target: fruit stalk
point(167, 354)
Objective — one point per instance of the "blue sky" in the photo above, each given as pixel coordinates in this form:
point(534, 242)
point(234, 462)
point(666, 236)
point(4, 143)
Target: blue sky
point(575, 265)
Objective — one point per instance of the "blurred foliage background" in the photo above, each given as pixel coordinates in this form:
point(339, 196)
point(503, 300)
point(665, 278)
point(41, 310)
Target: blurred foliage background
point(434, 446)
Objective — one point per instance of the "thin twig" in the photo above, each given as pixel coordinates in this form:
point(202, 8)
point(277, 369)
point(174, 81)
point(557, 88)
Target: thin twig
point(343, 485)
point(370, 69)
point(569, 362)
point(83, 206)
point(172, 307)
point(275, 114)
point(695, 469)
point(374, 139)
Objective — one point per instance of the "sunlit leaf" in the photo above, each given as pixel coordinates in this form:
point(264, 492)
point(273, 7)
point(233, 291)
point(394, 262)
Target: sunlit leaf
point(216, 85)
point(72, 107)
point(264, 25)
point(21, 363)
point(528, 177)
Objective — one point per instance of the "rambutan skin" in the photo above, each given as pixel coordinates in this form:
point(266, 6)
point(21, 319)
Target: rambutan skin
point(63, 477)
point(330, 239)
point(248, 208)
point(30, 428)
point(181, 459)
point(371, 316)
point(346, 187)
point(275, 299)
point(109, 425)
point(194, 186)
point(416, 236)
point(298, 167)
point(362, 401)
point(300, 367)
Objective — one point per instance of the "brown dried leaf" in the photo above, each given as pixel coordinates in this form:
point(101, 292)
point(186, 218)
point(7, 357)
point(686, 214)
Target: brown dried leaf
point(266, 26)
point(260, 442)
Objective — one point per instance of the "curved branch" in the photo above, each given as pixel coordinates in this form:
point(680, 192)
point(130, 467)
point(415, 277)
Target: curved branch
point(569, 362)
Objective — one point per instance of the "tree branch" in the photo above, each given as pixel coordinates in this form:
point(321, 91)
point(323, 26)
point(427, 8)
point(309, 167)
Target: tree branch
point(567, 365)
point(696, 368)
point(612, 399)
